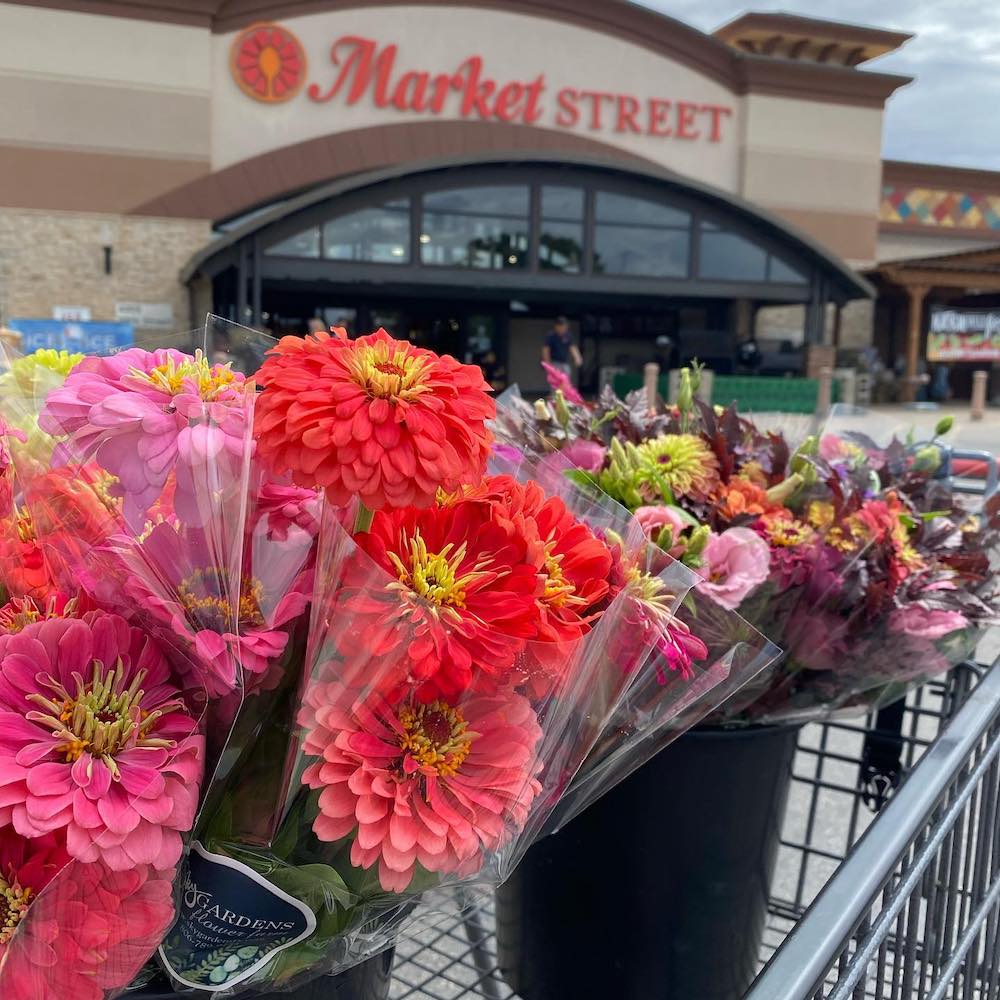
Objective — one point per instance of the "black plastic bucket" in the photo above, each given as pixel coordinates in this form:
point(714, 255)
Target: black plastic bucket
point(368, 981)
point(659, 890)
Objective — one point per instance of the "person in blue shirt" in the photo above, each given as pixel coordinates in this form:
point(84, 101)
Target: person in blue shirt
point(560, 349)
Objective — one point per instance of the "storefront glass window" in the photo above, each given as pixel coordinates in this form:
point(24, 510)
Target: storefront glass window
point(643, 251)
point(478, 227)
point(562, 203)
point(560, 247)
point(730, 257)
point(305, 244)
point(611, 207)
point(380, 235)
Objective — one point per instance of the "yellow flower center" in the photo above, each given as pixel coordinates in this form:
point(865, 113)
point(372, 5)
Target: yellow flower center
point(389, 374)
point(820, 514)
point(174, 377)
point(25, 527)
point(558, 590)
point(204, 595)
point(436, 576)
point(788, 532)
point(100, 717)
point(436, 735)
point(14, 902)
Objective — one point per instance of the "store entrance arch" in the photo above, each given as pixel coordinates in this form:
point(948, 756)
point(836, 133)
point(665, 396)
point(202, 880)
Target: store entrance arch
point(476, 259)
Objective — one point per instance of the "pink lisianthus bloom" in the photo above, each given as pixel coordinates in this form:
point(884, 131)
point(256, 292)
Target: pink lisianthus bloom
point(736, 563)
point(143, 415)
point(653, 519)
point(88, 934)
point(559, 381)
point(432, 784)
point(233, 625)
point(926, 623)
point(586, 455)
point(95, 741)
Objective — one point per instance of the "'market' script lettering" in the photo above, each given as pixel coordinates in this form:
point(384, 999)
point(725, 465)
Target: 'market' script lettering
point(363, 69)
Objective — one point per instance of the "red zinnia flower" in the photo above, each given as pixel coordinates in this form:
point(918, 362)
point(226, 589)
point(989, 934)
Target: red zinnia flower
point(463, 596)
point(374, 417)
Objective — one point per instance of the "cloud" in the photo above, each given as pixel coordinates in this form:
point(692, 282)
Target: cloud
point(949, 113)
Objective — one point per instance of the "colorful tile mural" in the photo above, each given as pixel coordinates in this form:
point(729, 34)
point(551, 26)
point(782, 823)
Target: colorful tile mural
point(928, 207)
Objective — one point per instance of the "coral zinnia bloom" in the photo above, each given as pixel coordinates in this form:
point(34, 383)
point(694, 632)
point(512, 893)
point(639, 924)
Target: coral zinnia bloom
point(429, 784)
point(740, 497)
point(462, 599)
point(374, 417)
point(94, 740)
point(142, 415)
point(89, 934)
point(24, 571)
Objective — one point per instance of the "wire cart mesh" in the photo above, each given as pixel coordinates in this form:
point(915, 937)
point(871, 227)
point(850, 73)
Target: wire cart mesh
point(845, 775)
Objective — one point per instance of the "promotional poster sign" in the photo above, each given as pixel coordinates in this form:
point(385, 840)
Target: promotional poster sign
point(964, 335)
point(83, 338)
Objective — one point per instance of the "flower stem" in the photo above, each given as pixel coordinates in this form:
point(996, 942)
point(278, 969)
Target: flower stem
point(363, 518)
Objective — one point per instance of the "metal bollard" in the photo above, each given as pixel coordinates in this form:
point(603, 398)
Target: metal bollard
point(824, 395)
point(650, 379)
point(980, 380)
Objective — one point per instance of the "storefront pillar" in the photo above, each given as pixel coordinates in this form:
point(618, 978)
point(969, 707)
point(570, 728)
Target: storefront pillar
point(917, 294)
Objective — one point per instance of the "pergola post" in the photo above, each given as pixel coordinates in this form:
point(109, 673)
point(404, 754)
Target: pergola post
point(917, 294)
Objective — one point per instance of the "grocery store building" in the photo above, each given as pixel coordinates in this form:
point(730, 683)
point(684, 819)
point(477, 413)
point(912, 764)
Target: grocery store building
point(462, 171)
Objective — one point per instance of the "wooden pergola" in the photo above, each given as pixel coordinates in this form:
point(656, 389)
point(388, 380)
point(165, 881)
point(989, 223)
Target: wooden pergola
point(966, 272)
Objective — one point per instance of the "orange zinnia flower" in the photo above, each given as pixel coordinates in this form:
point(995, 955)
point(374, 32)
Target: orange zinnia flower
point(374, 417)
point(740, 497)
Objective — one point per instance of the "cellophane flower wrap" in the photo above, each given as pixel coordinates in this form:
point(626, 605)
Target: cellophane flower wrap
point(851, 554)
point(285, 650)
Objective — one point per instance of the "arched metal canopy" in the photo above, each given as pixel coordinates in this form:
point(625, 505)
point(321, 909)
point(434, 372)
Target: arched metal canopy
point(831, 278)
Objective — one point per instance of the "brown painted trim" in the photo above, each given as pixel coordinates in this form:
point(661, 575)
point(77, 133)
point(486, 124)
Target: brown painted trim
point(76, 181)
point(939, 232)
point(815, 27)
point(940, 177)
point(614, 18)
point(262, 179)
point(815, 82)
point(849, 235)
point(197, 13)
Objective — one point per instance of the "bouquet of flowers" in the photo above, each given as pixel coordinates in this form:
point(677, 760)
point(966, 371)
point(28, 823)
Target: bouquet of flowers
point(275, 663)
point(850, 554)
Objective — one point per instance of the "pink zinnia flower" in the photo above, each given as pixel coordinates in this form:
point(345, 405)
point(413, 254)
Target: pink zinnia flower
point(233, 625)
point(653, 519)
point(559, 381)
point(430, 784)
point(142, 416)
point(586, 455)
point(289, 510)
point(88, 934)
point(26, 868)
point(736, 563)
point(94, 740)
point(927, 623)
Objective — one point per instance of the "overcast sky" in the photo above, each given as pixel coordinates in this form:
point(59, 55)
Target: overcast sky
point(951, 112)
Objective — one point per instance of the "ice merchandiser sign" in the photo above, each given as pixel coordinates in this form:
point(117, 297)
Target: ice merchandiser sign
point(964, 335)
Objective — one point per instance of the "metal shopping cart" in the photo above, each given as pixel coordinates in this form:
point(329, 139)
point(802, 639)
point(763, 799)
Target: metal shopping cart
point(844, 782)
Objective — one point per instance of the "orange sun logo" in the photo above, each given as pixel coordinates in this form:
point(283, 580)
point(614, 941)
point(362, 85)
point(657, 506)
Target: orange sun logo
point(268, 63)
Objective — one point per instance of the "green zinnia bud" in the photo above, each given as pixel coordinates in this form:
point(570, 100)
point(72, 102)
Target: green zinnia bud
point(785, 489)
point(665, 538)
point(685, 392)
point(944, 425)
point(697, 541)
point(561, 409)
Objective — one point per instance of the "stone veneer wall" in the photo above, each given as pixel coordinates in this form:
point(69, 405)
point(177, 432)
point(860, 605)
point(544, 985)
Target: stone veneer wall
point(49, 259)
